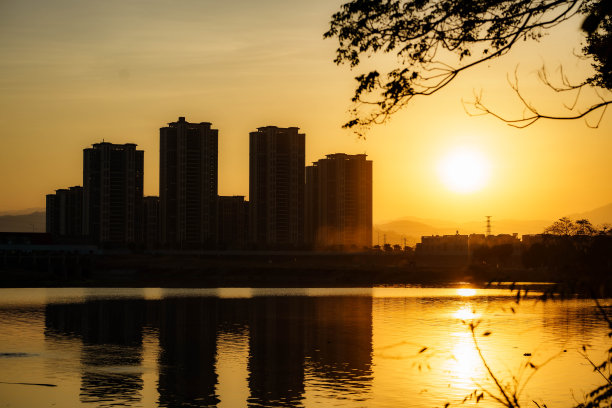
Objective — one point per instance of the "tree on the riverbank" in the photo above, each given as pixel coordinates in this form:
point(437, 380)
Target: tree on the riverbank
point(434, 41)
point(565, 226)
point(574, 249)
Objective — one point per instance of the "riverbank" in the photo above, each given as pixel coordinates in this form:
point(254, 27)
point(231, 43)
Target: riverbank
point(250, 269)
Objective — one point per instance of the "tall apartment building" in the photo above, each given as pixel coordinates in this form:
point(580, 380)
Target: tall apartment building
point(112, 193)
point(150, 221)
point(64, 215)
point(339, 201)
point(233, 222)
point(188, 184)
point(276, 186)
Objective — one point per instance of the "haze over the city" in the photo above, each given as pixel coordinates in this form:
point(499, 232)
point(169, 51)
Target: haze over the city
point(73, 73)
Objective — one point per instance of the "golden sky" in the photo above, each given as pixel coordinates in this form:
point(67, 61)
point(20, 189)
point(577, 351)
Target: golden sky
point(74, 72)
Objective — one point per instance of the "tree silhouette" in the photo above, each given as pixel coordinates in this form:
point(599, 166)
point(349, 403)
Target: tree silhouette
point(436, 40)
point(565, 226)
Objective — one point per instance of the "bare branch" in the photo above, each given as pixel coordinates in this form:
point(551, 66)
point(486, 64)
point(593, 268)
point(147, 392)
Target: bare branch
point(533, 114)
point(510, 403)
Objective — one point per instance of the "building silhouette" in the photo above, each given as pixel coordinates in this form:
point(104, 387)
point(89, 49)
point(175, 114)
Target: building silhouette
point(233, 222)
point(64, 212)
point(276, 187)
point(339, 201)
point(150, 221)
point(188, 184)
point(112, 193)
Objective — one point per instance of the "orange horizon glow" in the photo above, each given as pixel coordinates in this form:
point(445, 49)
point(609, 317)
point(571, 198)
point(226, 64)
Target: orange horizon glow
point(76, 75)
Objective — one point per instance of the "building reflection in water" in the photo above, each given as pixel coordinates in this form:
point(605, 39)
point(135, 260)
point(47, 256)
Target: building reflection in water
point(327, 339)
point(276, 344)
point(188, 348)
point(111, 332)
point(339, 345)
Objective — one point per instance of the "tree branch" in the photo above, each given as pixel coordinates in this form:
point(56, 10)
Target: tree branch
point(534, 114)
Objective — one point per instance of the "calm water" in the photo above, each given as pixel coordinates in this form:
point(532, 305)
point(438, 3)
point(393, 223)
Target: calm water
point(287, 347)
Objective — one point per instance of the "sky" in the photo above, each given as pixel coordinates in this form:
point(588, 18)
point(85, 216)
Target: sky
point(75, 72)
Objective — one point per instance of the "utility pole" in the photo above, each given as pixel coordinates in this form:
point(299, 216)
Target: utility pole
point(488, 225)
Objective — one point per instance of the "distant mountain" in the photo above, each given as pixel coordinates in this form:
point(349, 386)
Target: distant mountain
point(394, 232)
point(598, 216)
point(413, 228)
point(33, 222)
point(25, 211)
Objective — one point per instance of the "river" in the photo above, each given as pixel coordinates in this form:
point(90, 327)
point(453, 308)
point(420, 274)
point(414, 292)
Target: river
point(372, 347)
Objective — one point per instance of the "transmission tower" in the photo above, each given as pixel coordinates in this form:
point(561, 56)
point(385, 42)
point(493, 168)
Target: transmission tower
point(488, 225)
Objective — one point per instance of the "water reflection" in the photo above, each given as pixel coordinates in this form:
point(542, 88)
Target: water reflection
point(466, 292)
point(274, 347)
point(111, 332)
point(328, 337)
point(466, 312)
point(464, 366)
point(232, 371)
point(188, 346)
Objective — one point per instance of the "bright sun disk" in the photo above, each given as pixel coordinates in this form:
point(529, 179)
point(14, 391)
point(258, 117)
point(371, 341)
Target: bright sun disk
point(464, 170)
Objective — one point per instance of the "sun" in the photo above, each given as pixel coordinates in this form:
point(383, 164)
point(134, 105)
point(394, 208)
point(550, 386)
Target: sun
point(464, 170)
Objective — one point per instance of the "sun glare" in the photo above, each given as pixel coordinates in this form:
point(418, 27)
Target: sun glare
point(466, 292)
point(464, 170)
point(466, 313)
point(464, 364)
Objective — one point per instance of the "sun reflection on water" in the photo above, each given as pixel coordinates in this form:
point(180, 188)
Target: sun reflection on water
point(466, 292)
point(464, 364)
point(466, 313)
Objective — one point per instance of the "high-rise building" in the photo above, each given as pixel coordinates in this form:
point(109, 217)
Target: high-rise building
point(276, 187)
point(65, 212)
point(150, 221)
point(233, 222)
point(51, 214)
point(112, 193)
point(339, 201)
point(188, 184)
